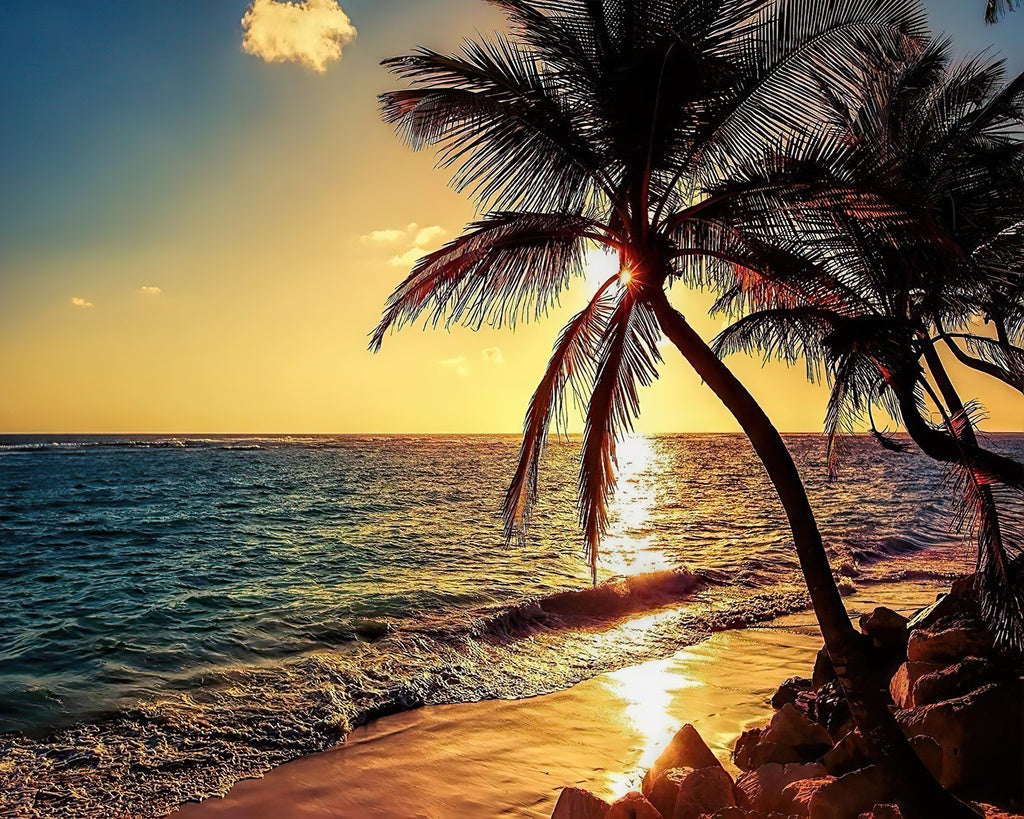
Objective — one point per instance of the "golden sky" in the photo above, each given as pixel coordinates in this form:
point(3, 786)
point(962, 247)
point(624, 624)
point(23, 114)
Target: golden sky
point(200, 234)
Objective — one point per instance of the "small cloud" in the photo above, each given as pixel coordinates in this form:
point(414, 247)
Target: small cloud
point(80, 302)
point(311, 33)
point(383, 237)
point(407, 259)
point(492, 355)
point(459, 364)
point(423, 241)
point(429, 236)
point(149, 290)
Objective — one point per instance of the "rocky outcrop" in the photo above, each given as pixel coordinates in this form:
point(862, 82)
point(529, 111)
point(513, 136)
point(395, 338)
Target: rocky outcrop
point(686, 750)
point(633, 805)
point(790, 737)
point(576, 803)
point(764, 787)
point(957, 699)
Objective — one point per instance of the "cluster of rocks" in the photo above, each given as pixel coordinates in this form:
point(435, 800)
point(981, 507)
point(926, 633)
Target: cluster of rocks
point(957, 699)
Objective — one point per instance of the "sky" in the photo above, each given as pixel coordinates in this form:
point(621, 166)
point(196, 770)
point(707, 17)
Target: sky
point(201, 216)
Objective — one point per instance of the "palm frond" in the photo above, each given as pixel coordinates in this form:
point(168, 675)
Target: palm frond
point(572, 365)
point(505, 267)
point(628, 360)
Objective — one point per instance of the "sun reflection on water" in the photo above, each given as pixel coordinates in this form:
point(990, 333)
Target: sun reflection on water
point(646, 692)
point(628, 547)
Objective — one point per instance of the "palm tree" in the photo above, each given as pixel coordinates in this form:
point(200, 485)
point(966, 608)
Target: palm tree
point(604, 123)
point(934, 153)
point(995, 9)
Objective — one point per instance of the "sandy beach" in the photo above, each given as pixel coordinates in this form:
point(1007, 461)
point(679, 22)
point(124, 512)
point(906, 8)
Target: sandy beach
point(511, 758)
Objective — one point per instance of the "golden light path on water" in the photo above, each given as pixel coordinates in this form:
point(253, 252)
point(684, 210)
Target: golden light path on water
point(628, 547)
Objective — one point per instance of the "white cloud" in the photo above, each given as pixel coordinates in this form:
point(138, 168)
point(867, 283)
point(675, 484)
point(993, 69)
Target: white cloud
point(429, 236)
point(78, 301)
point(407, 259)
point(149, 290)
point(423, 241)
point(492, 355)
point(383, 237)
point(311, 33)
point(458, 364)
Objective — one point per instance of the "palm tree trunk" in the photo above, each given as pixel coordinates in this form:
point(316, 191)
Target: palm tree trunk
point(920, 795)
point(941, 446)
point(965, 429)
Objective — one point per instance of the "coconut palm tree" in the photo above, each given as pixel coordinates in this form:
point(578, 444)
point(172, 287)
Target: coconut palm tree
point(934, 154)
point(995, 9)
point(604, 123)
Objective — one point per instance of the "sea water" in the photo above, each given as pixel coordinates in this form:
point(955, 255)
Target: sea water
point(179, 612)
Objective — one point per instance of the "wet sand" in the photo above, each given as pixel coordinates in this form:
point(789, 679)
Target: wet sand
point(511, 758)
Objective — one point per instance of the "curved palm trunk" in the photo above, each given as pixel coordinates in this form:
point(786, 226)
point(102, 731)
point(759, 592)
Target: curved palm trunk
point(941, 446)
point(920, 794)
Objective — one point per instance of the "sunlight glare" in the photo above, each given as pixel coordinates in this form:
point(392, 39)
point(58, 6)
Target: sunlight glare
point(628, 547)
point(646, 691)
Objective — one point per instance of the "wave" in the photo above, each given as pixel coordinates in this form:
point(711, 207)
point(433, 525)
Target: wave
point(607, 602)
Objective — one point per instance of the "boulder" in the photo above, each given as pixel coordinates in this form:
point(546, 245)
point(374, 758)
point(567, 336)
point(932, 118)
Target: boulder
point(970, 674)
point(929, 752)
point(686, 750)
point(788, 693)
point(763, 787)
point(850, 795)
point(702, 792)
point(789, 737)
point(576, 803)
point(959, 602)
point(904, 681)
point(665, 790)
point(849, 754)
point(886, 811)
point(832, 711)
point(730, 813)
point(632, 806)
point(965, 729)
point(945, 646)
point(796, 796)
point(887, 630)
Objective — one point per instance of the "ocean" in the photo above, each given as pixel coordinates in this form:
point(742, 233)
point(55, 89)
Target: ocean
point(180, 612)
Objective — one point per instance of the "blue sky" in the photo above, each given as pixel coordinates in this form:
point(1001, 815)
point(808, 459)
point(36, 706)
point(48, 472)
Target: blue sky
point(141, 148)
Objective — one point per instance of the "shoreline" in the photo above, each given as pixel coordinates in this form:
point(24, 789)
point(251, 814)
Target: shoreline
point(513, 757)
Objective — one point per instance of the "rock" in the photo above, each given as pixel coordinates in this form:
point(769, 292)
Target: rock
point(789, 691)
point(665, 790)
point(703, 791)
point(929, 752)
point(796, 796)
point(949, 645)
point(824, 671)
point(832, 711)
point(849, 754)
point(904, 681)
point(576, 803)
point(850, 795)
point(960, 601)
point(886, 811)
point(965, 728)
point(887, 630)
point(730, 813)
point(763, 788)
point(686, 750)
point(789, 737)
point(790, 728)
point(970, 674)
point(632, 806)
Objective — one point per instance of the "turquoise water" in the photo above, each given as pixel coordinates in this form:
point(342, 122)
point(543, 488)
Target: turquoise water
point(156, 590)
